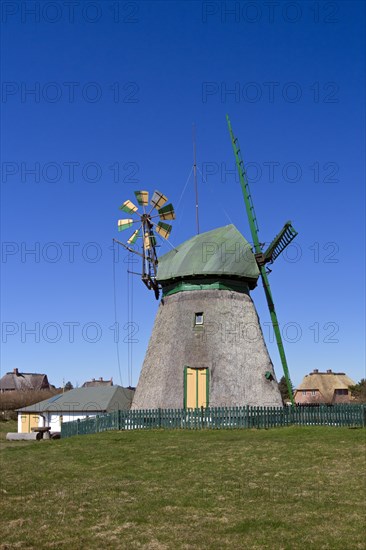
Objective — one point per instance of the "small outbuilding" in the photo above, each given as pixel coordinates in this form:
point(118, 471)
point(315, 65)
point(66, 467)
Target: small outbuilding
point(75, 404)
point(324, 388)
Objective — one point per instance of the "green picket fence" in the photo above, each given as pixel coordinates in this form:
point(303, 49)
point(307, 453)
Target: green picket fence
point(219, 418)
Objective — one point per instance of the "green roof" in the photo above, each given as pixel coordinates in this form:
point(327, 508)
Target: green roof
point(222, 252)
point(100, 399)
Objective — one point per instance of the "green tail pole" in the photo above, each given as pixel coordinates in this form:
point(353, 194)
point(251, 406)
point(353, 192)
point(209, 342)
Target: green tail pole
point(257, 247)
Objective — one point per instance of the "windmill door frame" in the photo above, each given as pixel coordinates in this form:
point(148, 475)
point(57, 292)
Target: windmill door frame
point(196, 387)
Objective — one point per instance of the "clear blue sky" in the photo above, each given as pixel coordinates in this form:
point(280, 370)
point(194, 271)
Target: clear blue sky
point(114, 97)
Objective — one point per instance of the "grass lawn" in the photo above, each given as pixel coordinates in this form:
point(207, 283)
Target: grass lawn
point(284, 488)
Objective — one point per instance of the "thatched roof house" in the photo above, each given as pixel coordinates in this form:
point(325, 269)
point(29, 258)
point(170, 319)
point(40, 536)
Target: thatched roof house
point(93, 383)
point(23, 381)
point(324, 388)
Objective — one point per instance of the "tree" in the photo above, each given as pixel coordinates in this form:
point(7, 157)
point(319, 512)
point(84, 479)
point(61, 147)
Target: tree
point(282, 386)
point(358, 391)
point(68, 386)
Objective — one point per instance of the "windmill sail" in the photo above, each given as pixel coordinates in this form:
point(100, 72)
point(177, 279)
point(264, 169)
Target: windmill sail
point(163, 229)
point(158, 200)
point(275, 248)
point(124, 224)
point(279, 243)
point(134, 237)
point(167, 212)
point(142, 197)
point(128, 207)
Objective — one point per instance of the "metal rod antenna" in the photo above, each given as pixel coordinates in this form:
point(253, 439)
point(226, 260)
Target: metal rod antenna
point(195, 175)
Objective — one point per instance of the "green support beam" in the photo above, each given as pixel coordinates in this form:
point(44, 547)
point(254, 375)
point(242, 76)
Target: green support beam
point(257, 247)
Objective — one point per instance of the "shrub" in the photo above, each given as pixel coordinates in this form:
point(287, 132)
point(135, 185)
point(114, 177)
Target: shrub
point(12, 400)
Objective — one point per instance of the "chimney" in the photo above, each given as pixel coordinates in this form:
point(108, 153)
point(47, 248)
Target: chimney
point(329, 371)
point(16, 372)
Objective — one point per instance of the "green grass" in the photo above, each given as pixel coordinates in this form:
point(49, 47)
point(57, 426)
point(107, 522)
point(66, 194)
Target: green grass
point(284, 488)
point(10, 426)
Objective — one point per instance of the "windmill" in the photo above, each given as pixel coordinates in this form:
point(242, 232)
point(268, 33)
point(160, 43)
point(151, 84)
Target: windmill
point(207, 347)
point(146, 231)
point(276, 247)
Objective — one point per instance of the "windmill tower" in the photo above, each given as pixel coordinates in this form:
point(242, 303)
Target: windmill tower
point(207, 346)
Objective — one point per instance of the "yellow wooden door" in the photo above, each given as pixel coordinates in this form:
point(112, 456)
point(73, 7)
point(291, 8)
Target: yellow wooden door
point(202, 397)
point(29, 421)
point(33, 421)
point(24, 423)
point(190, 388)
point(195, 388)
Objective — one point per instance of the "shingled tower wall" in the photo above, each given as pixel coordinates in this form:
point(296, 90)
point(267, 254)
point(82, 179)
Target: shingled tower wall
point(229, 343)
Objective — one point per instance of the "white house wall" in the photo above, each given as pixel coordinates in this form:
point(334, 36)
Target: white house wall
point(52, 419)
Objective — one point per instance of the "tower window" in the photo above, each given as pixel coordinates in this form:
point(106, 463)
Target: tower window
point(198, 318)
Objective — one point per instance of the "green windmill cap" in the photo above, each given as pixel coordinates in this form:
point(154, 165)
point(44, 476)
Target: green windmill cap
point(222, 252)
